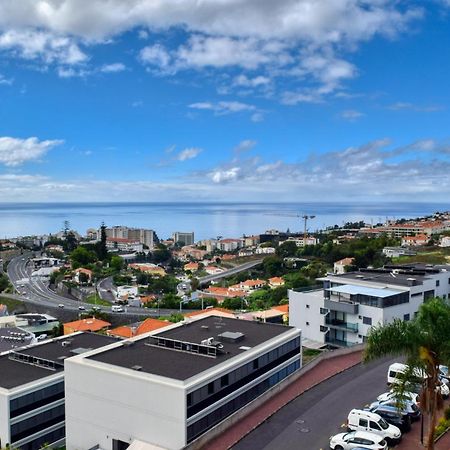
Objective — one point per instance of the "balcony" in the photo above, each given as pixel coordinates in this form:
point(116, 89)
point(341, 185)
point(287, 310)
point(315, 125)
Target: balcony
point(341, 325)
point(345, 306)
point(338, 343)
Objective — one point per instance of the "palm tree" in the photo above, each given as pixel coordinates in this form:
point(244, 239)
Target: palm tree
point(425, 342)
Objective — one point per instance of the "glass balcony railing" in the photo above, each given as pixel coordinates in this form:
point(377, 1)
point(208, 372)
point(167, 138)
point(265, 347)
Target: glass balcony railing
point(341, 324)
point(338, 342)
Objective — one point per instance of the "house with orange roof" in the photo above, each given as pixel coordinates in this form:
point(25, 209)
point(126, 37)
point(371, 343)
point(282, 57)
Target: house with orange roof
point(339, 266)
point(151, 324)
point(285, 310)
point(121, 332)
point(192, 266)
point(89, 324)
point(275, 282)
point(221, 293)
point(252, 285)
point(152, 269)
point(213, 270)
point(217, 311)
point(87, 275)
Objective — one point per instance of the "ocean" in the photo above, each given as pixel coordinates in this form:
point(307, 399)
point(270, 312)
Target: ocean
point(207, 220)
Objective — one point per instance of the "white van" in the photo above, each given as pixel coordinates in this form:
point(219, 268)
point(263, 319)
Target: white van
point(394, 376)
point(360, 420)
point(397, 369)
point(116, 308)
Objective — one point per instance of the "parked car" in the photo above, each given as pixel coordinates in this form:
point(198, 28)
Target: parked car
point(407, 407)
point(363, 420)
point(60, 305)
point(355, 439)
point(411, 396)
point(117, 308)
point(82, 308)
point(394, 416)
point(96, 308)
point(41, 337)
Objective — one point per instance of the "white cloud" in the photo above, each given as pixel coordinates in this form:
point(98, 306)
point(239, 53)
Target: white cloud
point(41, 45)
point(113, 68)
point(14, 151)
point(245, 146)
point(351, 114)
point(223, 107)
point(300, 38)
point(406, 106)
point(225, 176)
point(188, 153)
point(6, 81)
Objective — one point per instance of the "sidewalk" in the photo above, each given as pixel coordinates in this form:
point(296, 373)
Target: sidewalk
point(321, 372)
point(411, 440)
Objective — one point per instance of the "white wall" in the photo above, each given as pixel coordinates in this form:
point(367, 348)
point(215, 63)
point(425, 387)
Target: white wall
point(300, 314)
point(106, 402)
point(4, 418)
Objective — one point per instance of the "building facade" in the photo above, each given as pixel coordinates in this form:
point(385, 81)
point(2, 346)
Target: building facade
point(184, 238)
point(189, 377)
point(32, 393)
point(346, 307)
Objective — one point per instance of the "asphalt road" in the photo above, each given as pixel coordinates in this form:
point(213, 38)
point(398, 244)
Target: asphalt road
point(307, 422)
point(36, 291)
point(229, 272)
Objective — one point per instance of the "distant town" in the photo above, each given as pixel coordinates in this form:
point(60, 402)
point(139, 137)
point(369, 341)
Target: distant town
point(187, 317)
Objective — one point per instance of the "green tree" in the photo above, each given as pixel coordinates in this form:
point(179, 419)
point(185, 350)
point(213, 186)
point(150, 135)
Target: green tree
point(81, 257)
point(116, 263)
point(273, 266)
point(425, 341)
point(233, 303)
point(286, 249)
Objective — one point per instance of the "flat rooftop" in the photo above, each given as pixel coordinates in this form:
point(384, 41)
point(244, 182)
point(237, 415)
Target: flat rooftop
point(352, 289)
point(385, 277)
point(14, 373)
point(13, 337)
point(144, 355)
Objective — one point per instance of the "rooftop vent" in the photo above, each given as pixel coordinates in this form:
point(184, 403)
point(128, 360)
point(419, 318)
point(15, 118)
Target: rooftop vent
point(137, 368)
point(128, 343)
point(359, 276)
point(66, 343)
point(231, 336)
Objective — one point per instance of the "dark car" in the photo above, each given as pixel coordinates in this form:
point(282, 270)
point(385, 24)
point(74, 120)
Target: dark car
point(394, 416)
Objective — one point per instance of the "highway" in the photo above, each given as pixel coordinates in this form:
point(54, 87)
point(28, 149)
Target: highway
point(308, 421)
point(229, 272)
point(36, 291)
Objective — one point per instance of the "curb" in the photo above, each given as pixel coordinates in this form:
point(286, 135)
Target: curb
point(289, 401)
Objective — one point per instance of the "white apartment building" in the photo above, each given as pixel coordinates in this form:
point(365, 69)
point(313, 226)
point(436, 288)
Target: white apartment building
point(303, 241)
point(343, 310)
point(169, 387)
point(32, 411)
point(124, 245)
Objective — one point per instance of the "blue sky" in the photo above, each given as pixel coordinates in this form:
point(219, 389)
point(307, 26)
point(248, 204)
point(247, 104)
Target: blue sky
point(249, 100)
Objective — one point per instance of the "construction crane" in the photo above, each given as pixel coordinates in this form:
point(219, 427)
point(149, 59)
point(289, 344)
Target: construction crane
point(306, 218)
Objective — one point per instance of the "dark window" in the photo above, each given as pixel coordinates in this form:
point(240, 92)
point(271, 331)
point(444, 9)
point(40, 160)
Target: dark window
point(406, 317)
point(307, 324)
point(438, 283)
point(211, 388)
point(323, 329)
point(189, 399)
point(205, 423)
point(363, 422)
point(323, 311)
point(51, 437)
point(119, 445)
point(367, 320)
point(427, 295)
point(374, 426)
point(224, 381)
point(307, 306)
point(255, 364)
point(37, 423)
point(36, 399)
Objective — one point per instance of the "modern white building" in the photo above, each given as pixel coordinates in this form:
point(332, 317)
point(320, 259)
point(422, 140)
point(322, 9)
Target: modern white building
point(168, 388)
point(32, 411)
point(344, 309)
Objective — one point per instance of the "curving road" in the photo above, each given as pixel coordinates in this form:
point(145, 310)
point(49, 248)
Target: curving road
point(36, 291)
